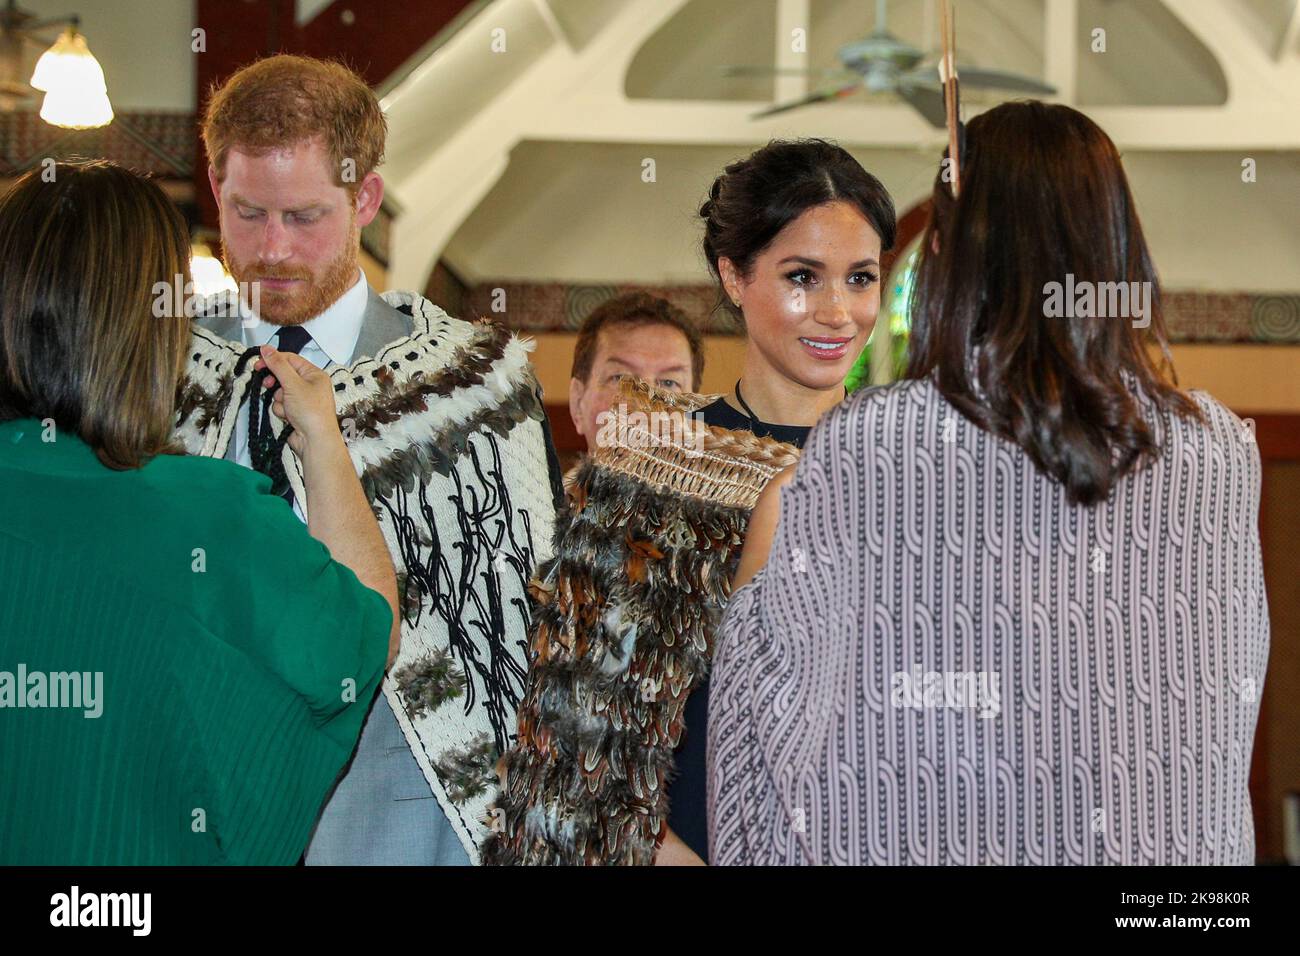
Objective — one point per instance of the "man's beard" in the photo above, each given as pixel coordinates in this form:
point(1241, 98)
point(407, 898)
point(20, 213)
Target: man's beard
point(297, 306)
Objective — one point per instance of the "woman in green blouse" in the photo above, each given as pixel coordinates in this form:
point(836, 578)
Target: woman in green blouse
point(184, 668)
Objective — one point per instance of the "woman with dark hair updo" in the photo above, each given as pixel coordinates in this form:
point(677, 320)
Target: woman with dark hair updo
point(1013, 609)
point(794, 235)
point(610, 761)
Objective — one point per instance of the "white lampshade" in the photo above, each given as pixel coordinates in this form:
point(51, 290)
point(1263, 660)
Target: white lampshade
point(76, 96)
point(73, 109)
point(68, 62)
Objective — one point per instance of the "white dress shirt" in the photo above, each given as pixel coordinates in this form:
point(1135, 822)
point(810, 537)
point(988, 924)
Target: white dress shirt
point(334, 335)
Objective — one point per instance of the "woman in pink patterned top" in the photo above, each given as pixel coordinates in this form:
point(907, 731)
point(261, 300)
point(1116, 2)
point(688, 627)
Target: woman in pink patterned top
point(1012, 610)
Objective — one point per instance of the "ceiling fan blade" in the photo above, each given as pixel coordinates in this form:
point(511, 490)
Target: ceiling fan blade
point(997, 80)
point(820, 96)
point(975, 78)
point(784, 71)
point(927, 102)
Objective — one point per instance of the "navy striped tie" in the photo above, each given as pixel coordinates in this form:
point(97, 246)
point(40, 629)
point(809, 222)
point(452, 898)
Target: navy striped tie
point(263, 448)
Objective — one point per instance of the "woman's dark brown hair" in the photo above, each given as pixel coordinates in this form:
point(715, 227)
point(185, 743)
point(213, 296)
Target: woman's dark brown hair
point(1043, 196)
point(82, 248)
point(756, 197)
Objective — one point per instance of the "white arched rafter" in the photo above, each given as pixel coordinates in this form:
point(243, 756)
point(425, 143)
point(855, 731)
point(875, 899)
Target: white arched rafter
point(561, 92)
point(461, 167)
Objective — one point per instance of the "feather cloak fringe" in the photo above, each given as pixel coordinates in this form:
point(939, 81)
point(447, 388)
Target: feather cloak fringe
point(622, 633)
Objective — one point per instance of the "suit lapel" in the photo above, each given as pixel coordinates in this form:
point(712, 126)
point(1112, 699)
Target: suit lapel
point(222, 324)
point(380, 326)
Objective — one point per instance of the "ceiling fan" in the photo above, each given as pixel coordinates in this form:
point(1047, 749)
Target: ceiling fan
point(882, 63)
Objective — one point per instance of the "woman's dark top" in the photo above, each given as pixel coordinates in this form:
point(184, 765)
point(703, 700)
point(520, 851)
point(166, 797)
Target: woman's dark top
point(686, 794)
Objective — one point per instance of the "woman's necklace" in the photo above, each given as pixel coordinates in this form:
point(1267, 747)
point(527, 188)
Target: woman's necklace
point(750, 412)
point(744, 404)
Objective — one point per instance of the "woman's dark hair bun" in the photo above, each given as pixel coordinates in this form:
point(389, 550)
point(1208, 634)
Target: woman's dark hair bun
point(756, 197)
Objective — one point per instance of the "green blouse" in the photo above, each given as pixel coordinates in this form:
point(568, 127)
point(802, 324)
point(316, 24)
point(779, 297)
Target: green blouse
point(184, 670)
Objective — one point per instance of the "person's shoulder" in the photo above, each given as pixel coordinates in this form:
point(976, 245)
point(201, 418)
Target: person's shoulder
point(420, 316)
point(871, 414)
point(201, 475)
point(436, 341)
point(269, 590)
point(877, 399)
point(219, 315)
point(1222, 421)
point(1219, 429)
point(189, 508)
point(223, 493)
point(480, 371)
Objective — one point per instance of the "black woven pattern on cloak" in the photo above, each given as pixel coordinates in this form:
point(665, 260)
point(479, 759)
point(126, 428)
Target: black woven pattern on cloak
point(494, 539)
